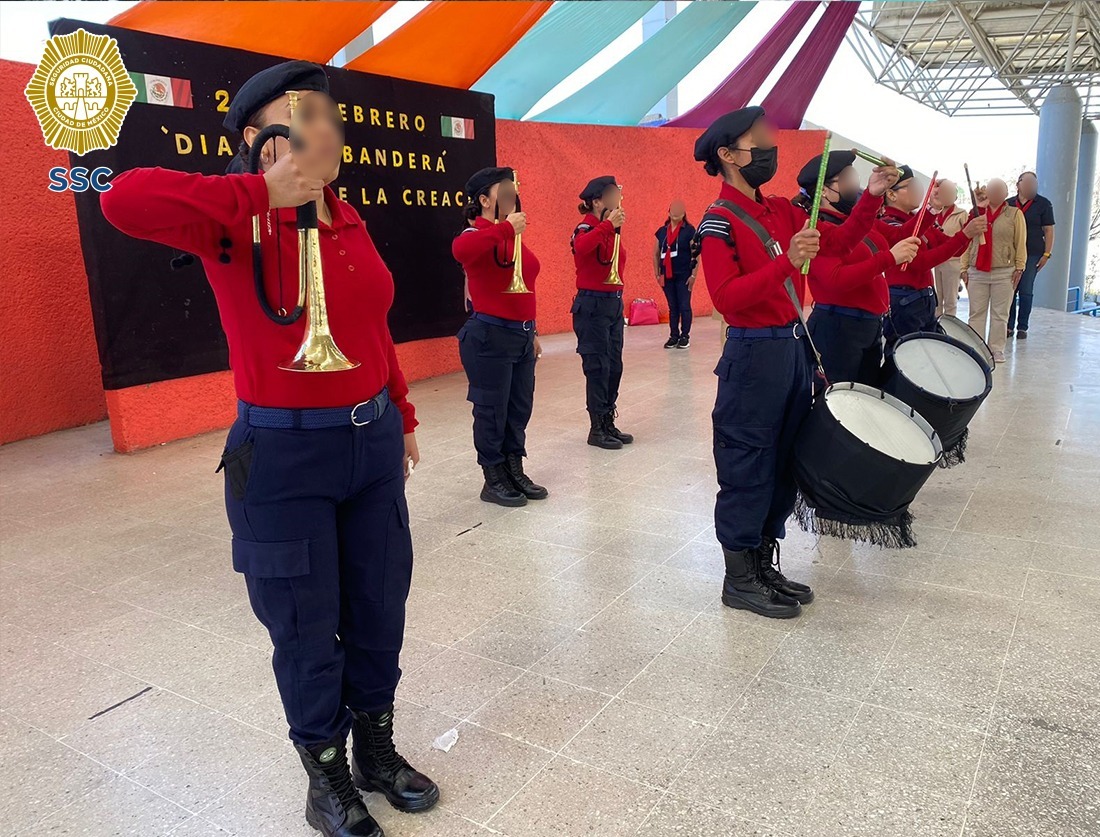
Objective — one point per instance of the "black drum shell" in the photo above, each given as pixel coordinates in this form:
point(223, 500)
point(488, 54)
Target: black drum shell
point(843, 478)
point(949, 417)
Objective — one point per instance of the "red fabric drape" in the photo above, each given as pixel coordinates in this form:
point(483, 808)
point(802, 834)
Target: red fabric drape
point(787, 102)
point(312, 31)
point(740, 86)
point(452, 43)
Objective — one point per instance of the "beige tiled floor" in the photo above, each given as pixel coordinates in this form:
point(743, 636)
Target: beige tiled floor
point(579, 645)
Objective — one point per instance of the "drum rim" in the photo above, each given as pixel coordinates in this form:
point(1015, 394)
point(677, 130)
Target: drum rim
point(897, 404)
point(959, 344)
point(987, 354)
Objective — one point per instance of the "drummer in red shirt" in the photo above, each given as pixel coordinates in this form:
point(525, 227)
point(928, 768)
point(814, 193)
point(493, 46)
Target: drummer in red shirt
point(751, 246)
point(849, 290)
point(316, 463)
point(598, 307)
point(499, 344)
point(913, 290)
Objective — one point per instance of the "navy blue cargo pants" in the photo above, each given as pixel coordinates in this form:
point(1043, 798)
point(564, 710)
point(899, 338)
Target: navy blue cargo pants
point(598, 324)
point(764, 395)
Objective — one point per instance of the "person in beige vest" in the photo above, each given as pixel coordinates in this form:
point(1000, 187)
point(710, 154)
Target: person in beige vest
point(950, 219)
point(992, 266)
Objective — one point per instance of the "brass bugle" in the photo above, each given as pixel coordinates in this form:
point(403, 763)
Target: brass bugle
point(517, 285)
point(613, 278)
point(318, 351)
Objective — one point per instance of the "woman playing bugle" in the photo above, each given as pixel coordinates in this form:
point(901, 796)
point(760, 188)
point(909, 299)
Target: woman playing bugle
point(598, 307)
point(499, 344)
point(316, 463)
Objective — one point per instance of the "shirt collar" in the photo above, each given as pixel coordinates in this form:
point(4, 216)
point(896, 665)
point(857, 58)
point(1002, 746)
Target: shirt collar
point(482, 223)
point(342, 213)
point(756, 207)
point(591, 219)
point(900, 214)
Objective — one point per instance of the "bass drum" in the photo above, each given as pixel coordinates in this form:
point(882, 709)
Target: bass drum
point(860, 459)
point(943, 380)
point(959, 330)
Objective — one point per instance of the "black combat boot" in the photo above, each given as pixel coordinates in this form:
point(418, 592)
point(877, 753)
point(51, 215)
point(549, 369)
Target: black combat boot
point(333, 805)
point(377, 766)
point(513, 464)
point(744, 589)
point(600, 437)
point(767, 556)
point(612, 430)
point(498, 488)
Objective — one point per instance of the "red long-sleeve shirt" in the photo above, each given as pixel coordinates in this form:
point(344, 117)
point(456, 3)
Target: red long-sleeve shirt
point(478, 248)
point(854, 279)
point(592, 250)
point(193, 212)
point(745, 282)
point(935, 249)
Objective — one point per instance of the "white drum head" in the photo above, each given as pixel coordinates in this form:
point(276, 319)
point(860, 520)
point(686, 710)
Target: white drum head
point(958, 330)
point(938, 367)
point(881, 424)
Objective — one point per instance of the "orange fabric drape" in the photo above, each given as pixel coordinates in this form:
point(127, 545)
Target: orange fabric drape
point(312, 31)
point(452, 43)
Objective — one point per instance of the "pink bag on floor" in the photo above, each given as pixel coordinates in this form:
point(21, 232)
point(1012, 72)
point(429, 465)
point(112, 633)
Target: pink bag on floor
point(644, 312)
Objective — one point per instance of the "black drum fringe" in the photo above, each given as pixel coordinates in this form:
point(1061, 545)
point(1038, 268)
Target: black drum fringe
point(892, 534)
point(956, 454)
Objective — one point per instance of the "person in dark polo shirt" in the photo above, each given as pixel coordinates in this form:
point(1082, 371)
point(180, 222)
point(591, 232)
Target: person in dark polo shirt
point(1039, 218)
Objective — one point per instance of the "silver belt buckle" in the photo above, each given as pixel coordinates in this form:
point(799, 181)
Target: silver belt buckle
point(354, 409)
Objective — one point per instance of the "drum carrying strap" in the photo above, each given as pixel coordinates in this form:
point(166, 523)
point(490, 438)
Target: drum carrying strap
point(774, 250)
point(867, 242)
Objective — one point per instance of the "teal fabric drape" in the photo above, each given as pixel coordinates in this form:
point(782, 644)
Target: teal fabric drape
point(564, 39)
point(624, 94)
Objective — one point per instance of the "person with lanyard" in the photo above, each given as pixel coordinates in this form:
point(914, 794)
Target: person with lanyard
point(993, 266)
point(912, 289)
point(316, 463)
point(598, 307)
point(949, 218)
point(499, 345)
point(752, 249)
point(1039, 218)
point(849, 289)
point(675, 270)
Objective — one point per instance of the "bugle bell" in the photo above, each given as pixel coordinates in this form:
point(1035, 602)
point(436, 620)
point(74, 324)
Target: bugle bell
point(517, 285)
point(318, 351)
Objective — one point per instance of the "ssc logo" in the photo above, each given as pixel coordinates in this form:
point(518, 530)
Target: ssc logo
point(81, 92)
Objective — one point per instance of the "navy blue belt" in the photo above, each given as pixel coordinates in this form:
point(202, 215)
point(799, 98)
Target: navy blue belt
point(585, 292)
point(909, 289)
point(792, 331)
point(518, 325)
point(279, 418)
point(859, 313)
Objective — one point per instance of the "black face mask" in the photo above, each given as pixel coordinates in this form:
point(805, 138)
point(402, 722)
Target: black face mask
point(847, 201)
point(762, 168)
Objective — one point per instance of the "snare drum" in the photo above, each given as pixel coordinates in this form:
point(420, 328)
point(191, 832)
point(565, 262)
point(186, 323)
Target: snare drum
point(945, 381)
point(959, 330)
point(860, 459)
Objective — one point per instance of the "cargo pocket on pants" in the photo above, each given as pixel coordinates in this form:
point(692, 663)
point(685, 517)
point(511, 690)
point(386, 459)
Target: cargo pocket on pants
point(237, 465)
point(744, 457)
point(269, 570)
point(380, 569)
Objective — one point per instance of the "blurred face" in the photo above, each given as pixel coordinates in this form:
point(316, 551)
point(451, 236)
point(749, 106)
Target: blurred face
point(501, 195)
point(1028, 186)
point(677, 210)
point(318, 125)
point(845, 183)
point(905, 196)
point(740, 153)
point(997, 191)
point(945, 193)
point(611, 199)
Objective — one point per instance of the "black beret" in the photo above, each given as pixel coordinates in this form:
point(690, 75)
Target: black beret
point(596, 187)
point(485, 179)
point(724, 131)
point(906, 174)
point(268, 85)
point(838, 162)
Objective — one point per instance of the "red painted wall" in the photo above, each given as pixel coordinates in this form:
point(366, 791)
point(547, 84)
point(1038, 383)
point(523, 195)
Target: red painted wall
point(50, 364)
point(52, 379)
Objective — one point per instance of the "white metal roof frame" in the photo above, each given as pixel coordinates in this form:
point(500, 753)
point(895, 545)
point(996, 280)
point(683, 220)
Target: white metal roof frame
point(972, 58)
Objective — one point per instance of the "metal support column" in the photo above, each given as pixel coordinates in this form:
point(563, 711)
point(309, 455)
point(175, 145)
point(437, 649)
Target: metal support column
point(1059, 144)
point(1082, 214)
